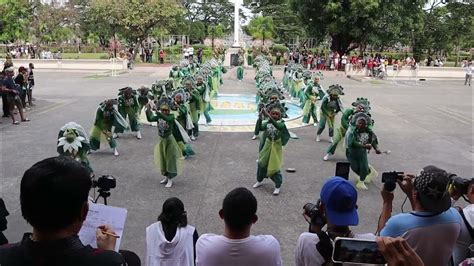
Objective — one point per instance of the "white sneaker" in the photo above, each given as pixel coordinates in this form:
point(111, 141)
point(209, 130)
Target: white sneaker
point(254, 137)
point(164, 181)
point(258, 184)
point(276, 191)
point(192, 138)
point(115, 136)
point(331, 140)
point(315, 124)
point(169, 183)
point(116, 153)
point(139, 135)
point(317, 138)
point(326, 157)
point(208, 123)
point(361, 185)
point(304, 124)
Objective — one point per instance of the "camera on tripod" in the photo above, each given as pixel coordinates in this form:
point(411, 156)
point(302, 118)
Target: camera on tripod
point(390, 180)
point(104, 184)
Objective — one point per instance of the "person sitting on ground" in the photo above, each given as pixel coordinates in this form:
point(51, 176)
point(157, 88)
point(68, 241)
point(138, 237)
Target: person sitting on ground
point(171, 241)
point(237, 246)
point(432, 228)
point(338, 209)
point(54, 201)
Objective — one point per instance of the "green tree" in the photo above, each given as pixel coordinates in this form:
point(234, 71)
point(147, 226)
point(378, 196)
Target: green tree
point(351, 23)
point(286, 23)
point(460, 24)
point(51, 24)
point(215, 31)
point(210, 13)
point(15, 19)
point(133, 20)
point(261, 28)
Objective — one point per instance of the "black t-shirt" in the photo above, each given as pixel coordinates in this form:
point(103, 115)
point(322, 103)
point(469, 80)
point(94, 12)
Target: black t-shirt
point(69, 251)
point(20, 80)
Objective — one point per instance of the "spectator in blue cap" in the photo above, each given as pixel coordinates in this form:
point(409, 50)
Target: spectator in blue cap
point(337, 208)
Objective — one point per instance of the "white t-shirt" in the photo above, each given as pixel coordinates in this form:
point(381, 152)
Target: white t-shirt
point(469, 70)
point(218, 250)
point(306, 253)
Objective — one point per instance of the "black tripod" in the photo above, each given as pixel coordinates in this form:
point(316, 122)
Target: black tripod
point(104, 194)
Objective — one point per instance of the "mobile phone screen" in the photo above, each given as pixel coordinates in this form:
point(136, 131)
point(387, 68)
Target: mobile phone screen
point(343, 169)
point(357, 251)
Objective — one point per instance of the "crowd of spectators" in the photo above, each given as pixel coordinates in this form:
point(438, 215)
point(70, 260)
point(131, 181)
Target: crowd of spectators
point(16, 90)
point(433, 233)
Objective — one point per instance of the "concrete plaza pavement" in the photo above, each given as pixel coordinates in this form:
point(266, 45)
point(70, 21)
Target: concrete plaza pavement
point(425, 123)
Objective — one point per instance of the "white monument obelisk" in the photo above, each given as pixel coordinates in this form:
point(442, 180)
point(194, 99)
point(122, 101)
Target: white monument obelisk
point(236, 23)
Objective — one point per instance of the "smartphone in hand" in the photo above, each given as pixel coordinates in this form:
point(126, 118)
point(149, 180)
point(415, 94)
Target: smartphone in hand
point(357, 251)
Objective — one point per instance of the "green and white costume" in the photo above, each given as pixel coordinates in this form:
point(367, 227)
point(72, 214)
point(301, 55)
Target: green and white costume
point(330, 106)
point(73, 142)
point(105, 119)
point(275, 135)
point(128, 106)
point(167, 152)
point(355, 140)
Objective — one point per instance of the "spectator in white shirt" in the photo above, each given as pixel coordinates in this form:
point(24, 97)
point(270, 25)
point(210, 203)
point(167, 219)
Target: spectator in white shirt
point(237, 246)
point(171, 241)
point(469, 69)
point(338, 209)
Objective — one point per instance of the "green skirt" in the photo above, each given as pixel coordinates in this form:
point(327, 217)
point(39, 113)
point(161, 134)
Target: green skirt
point(168, 157)
point(271, 156)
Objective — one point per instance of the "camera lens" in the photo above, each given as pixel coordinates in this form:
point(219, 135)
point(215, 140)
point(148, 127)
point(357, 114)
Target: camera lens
point(389, 186)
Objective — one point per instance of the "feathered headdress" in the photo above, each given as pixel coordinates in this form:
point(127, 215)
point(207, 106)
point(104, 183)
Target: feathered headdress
point(182, 92)
point(277, 105)
point(361, 116)
point(362, 101)
point(188, 79)
point(165, 102)
point(335, 90)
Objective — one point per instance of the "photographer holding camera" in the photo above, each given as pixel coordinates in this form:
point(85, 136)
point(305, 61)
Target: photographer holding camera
point(338, 209)
point(433, 227)
point(462, 187)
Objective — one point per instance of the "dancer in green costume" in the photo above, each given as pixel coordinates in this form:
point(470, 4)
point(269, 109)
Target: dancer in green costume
point(194, 103)
point(359, 140)
point(313, 93)
point(144, 96)
point(205, 98)
point(74, 143)
point(275, 136)
point(107, 116)
point(360, 105)
point(297, 83)
point(176, 75)
point(167, 152)
point(128, 106)
point(330, 106)
point(183, 117)
point(240, 68)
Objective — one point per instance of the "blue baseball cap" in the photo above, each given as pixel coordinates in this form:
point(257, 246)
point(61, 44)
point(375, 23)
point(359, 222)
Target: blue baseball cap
point(339, 198)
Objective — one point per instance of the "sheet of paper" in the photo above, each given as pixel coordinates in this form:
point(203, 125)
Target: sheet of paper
point(100, 214)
